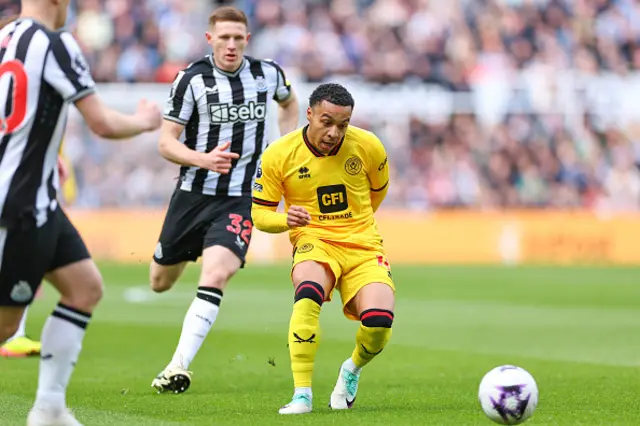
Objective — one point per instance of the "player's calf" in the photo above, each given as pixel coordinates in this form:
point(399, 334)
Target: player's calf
point(371, 338)
point(303, 344)
point(10, 317)
point(303, 331)
point(7, 329)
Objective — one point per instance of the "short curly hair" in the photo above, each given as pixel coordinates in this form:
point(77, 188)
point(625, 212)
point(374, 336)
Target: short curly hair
point(332, 93)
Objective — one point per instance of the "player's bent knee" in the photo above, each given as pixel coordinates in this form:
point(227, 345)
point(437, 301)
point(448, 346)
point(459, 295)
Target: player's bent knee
point(216, 278)
point(377, 318)
point(159, 283)
point(86, 296)
point(161, 278)
point(312, 271)
point(310, 290)
point(79, 284)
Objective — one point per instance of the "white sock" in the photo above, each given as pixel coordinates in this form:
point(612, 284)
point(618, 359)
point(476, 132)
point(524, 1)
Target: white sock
point(351, 366)
point(303, 391)
point(199, 319)
point(22, 328)
point(61, 344)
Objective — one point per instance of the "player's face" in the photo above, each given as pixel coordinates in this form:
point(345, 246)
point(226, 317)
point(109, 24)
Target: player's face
point(228, 40)
point(328, 124)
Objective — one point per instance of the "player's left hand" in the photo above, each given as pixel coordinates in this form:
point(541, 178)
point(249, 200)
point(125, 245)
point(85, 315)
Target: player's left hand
point(63, 170)
point(149, 114)
point(298, 217)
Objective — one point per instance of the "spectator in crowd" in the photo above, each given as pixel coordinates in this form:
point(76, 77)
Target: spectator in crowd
point(515, 58)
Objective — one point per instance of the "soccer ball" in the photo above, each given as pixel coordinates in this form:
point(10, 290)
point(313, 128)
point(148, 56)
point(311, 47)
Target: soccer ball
point(508, 395)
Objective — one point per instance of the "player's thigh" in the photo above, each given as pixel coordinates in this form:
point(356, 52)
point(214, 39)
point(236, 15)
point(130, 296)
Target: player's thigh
point(25, 254)
point(313, 260)
point(374, 295)
point(183, 230)
point(368, 285)
point(71, 271)
point(70, 248)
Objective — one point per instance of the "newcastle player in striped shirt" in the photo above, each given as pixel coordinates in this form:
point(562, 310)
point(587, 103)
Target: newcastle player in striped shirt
point(220, 103)
point(42, 71)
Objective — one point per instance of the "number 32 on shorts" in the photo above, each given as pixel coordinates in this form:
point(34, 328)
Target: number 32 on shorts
point(240, 226)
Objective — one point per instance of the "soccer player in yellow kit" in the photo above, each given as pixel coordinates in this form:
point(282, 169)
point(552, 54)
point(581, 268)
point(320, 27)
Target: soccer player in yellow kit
point(333, 177)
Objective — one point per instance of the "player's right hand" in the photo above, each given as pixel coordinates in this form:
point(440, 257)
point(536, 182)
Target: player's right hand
point(297, 217)
point(63, 170)
point(149, 115)
point(219, 160)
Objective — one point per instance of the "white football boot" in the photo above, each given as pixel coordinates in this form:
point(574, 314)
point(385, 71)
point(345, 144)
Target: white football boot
point(300, 404)
point(174, 379)
point(344, 393)
point(39, 416)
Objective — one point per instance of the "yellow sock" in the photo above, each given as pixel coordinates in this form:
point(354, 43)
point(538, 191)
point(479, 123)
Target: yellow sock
point(304, 332)
point(372, 336)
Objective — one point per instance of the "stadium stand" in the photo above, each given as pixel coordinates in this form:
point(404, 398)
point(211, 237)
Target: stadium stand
point(497, 103)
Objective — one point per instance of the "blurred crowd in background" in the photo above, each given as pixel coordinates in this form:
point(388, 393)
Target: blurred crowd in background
point(532, 157)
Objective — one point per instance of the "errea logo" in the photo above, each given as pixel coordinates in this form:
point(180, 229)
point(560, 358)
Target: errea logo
point(304, 173)
point(226, 113)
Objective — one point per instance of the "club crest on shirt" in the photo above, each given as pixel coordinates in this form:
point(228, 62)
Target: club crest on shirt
point(261, 84)
point(353, 166)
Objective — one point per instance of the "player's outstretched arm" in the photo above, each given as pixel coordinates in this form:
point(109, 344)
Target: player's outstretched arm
point(67, 72)
point(267, 193)
point(288, 108)
point(267, 219)
point(288, 114)
point(111, 124)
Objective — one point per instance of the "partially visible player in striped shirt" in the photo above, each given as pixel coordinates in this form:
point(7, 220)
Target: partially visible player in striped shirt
point(42, 71)
point(220, 103)
point(20, 345)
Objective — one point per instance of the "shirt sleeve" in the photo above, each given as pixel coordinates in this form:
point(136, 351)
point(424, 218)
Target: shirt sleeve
point(378, 171)
point(268, 187)
point(67, 70)
point(180, 104)
point(283, 86)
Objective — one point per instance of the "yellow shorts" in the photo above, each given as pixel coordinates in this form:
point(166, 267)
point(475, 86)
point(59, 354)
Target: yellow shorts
point(353, 267)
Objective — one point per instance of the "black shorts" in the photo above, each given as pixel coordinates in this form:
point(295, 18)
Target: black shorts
point(28, 253)
point(195, 222)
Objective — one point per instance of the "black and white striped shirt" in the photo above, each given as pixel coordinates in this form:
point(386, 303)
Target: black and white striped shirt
point(41, 72)
point(216, 107)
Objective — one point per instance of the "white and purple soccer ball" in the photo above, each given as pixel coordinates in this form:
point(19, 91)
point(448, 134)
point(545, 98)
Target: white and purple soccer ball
point(508, 395)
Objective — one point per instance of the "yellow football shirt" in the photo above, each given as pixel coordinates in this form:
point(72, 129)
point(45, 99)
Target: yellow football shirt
point(335, 189)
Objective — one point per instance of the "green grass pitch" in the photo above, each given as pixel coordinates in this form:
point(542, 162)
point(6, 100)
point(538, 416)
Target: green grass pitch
point(577, 330)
